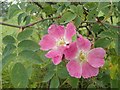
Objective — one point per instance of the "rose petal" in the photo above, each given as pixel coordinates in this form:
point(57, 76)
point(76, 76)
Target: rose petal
point(71, 51)
point(96, 57)
point(56, 56)
point(56, 30)
point(47, 42)
point(89, 71)
point(74, 69)
point(83, 43)
point(70, 31)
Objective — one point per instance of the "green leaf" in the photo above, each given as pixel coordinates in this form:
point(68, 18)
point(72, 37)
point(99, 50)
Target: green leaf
point(117, 46)
point(29, 69)
point(91, 86)
point(20, 17)
point(77, 21)
point(30, 56)
point(30, 8)
point(28, 45)
point(73, 8)
point(19, 77)
point(74, 38)
point(27, 20)
point(8, 39)
point(49, 74)
point(22, 5)
point(13, 10)
point(42, 55)
point(104, 7)
point(24, 34)
point(99, 83)
point(103, 42)
point(73, 82)
point(79, 10)
point(91, 5)
point(108, 33)
point(114, 83)
point(62, 72)
point(54, 82)
point(96, 28)
point(48, 9)
point(9, 48)
point(67, 4)
point(60, 9)
point(113, 71)
point(105, 77)
point(67, 17)
point(92, 14)
point(7, 59)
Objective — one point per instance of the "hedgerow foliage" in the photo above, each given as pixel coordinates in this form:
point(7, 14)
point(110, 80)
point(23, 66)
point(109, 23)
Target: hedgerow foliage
point(24, 65)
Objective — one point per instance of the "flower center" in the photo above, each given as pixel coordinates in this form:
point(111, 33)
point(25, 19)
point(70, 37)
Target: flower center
point(61, 42)
point(82, 56)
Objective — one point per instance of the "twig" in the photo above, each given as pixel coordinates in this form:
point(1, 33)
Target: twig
point(101, 23)
point(29, 25)
point(38, 22)
point(6, 24)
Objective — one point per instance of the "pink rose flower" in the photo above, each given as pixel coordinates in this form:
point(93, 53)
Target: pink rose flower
point(83, 61)
point(56, 41)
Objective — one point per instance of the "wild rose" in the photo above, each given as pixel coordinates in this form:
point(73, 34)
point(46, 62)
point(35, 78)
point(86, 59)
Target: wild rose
point(56, 41)
point(83, 61)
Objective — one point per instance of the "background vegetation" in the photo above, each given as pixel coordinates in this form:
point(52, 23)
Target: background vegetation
point(23, 25)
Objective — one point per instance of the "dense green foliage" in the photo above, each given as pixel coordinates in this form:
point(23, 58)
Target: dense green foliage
point(24, 64)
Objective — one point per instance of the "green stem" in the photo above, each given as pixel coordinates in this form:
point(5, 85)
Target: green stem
point(64, 82)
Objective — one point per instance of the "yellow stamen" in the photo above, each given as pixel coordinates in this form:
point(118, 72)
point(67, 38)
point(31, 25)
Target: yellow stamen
point(61, 42)
point(82, 56)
